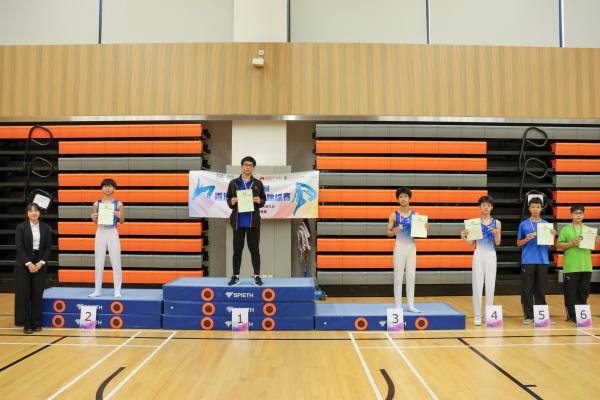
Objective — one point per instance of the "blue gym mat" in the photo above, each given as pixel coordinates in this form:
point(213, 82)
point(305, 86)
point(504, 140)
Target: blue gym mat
point(224, 323)
point(104, 321)
point(297, 309)
point(216, 290)
point(373, 316)
point(134, 301)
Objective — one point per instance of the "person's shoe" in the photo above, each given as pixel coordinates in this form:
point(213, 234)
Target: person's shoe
point(476, 321)
point(413, 309)
point(258, 281)
point(28, 330)
point(527, 321)
point(117, 294)
point(234, 281)
point(37, 328)
point(94, 294)
point(571, 319)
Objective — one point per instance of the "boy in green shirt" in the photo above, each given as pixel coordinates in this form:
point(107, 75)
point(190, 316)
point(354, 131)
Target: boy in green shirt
point(577, 262)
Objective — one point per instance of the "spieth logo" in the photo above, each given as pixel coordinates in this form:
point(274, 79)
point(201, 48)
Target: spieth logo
point(382, 323)
point(230, 309)
point(98, 322)
point(239, 295)
point(228, 323)
point(99, 307)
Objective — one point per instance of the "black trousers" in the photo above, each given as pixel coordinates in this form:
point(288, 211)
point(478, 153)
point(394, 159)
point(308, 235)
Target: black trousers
point(576, 288)
point(252, 235)
point(534, 280)
point(29, 289)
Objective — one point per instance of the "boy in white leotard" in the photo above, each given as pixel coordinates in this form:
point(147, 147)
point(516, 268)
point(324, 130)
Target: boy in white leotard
point(405, 251)
point(484, 257)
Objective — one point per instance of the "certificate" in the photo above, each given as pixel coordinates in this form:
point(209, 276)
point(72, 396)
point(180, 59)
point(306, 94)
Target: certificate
point(106, 213)
point(244, 200)
point(474, 228)
point(544, 234)
point(589, 237)
point(417, 226)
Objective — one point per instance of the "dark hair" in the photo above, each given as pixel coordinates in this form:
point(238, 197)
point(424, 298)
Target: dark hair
point(31, 206)
point(485, 199)
point(536, 200)
point(108, 182)
point(404, 190)
point(577, 207)
point(248, 159)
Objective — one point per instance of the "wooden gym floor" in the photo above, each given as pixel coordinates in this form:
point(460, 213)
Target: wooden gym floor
point(518, 362)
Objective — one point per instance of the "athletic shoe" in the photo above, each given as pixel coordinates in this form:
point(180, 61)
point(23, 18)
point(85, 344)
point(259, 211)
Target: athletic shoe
point(258, 281)
point(527, 321)
point(94, 294)
point(413, 309)
point(117, 295)
point(234, 281)
point(477, 321)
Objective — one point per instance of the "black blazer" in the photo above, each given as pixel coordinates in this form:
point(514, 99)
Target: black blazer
point(24, 242)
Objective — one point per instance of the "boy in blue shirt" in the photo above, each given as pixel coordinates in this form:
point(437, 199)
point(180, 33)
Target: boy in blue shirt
point(534, 261)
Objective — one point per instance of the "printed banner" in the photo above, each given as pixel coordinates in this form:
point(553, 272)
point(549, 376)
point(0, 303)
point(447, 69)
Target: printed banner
point(293, 195)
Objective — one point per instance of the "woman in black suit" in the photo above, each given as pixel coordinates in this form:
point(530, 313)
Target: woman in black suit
point(33, 240)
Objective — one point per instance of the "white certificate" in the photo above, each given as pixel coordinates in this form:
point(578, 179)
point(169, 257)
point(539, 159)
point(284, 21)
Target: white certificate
point(544, 234)
point(106, 213)
point(474, 228)
point(589, 237)
point(244, 200)
point(417, 227)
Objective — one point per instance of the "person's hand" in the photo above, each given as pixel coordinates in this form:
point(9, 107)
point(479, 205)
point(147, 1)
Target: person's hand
point(398, 229)
point(117, 214)
point(426, 226)
point(464, 233)
point(256, 199)
point(31, 268)
point(95, 217)
point(576, 241)
point(38, 266)
point(233, 201)
point(530, 236)
point(553, 232)
point(597, 238)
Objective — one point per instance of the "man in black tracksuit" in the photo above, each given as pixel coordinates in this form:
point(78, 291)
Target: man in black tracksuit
point(246, 224)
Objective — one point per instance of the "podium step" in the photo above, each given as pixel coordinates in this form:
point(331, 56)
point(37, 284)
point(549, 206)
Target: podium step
point(224, 323)
point(276, 309)
point(373, 317)
point(103, 321)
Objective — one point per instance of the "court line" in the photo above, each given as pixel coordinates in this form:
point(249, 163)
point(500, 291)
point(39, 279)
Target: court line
point(77, 378)
point(132, 373)
point(46, 345)
point(391, 388)
point(501, 370)
point(588, 333)
point(103, 385)
point(481, 345)
point(74, 344)
point(366, 368)
point(412, 368)
point(477, 330)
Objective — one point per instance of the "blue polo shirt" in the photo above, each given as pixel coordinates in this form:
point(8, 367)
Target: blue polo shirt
point(245, 218)
point(531, 253)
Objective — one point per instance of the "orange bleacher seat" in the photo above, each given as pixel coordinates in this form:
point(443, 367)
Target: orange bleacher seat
point(130, 147)
point(398, 147)
point(104, 131)
point(129, 276)
point(401, 163)
point(135, 245)
point(383, 212)
point(389, 196)
point(387, 245)
point(124, 180)
point(386, 262)
point(135, 228)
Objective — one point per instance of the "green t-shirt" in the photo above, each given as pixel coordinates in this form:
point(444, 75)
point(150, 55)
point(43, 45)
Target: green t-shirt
point(575, 259)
